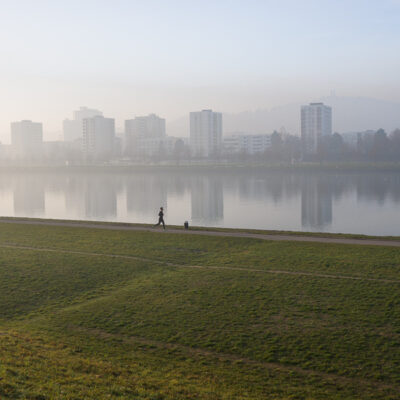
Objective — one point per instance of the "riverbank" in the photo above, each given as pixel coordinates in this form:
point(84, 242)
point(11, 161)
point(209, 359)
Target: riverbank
point(121, 313)
point(275, 235)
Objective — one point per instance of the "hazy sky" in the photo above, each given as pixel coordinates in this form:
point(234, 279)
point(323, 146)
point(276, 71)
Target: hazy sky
point(129, 57)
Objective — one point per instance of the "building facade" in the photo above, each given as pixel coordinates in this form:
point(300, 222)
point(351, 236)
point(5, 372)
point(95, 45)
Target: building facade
point(98, 138)
point(316, 122)
point(205, 133)
point(73, 128)
point(26, 139)
point(144, 135)
point(244, 143)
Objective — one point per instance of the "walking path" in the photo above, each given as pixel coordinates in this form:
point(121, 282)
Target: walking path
point(261, 236)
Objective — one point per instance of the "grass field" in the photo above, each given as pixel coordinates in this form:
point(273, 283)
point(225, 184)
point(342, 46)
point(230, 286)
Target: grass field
point(108, 314)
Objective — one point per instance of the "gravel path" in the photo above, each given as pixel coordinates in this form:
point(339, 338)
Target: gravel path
point(261, 236)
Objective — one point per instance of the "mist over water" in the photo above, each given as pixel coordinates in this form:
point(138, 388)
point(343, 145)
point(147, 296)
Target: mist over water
point(367, 203)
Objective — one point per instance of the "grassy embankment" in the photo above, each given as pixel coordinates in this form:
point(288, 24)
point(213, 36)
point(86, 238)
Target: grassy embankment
point(194, 317)
point(124, 225)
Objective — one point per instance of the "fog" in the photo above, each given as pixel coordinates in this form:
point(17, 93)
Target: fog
point(130, 58)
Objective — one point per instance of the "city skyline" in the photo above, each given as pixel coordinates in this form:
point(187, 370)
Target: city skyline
point(90, 137)
point(376, 114)
point(171, 58)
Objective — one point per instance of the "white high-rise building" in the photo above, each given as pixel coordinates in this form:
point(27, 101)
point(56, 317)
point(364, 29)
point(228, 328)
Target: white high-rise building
point(26, 138)
point(98, 137)
point(73, 128)
point(316, 122)
point(142, 133)
point(205, 133)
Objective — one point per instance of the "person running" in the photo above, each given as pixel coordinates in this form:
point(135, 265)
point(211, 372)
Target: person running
point(160, 218)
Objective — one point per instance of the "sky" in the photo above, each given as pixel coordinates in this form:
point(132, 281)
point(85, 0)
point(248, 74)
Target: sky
point(130, 57)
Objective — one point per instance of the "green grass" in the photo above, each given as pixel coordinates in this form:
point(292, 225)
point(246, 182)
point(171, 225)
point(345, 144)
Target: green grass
point(76, 325)
point(202, 228)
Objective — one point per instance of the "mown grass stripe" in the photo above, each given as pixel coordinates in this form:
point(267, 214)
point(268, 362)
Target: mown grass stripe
point(227, 357)
point(161, 262)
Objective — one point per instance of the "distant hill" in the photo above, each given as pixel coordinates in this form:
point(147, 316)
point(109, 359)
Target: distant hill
point(360, 113)
point(349, 114)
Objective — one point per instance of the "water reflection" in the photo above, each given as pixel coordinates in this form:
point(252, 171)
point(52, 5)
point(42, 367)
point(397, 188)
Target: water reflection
point(207, 199)
point(91, 196)
point(100, 199)
point(145, 194)
point(29, 197)
point(362, 203)
point(316, 204)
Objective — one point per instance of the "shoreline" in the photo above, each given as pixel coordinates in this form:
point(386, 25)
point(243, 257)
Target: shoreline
point(297, 236)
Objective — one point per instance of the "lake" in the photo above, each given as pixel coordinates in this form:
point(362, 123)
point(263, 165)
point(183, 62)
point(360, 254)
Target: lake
point(367, 203)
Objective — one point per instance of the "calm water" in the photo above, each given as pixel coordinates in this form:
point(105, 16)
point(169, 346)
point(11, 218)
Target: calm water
point(352, 202)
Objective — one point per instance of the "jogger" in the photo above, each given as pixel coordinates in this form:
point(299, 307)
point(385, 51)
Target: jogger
point(160, 218)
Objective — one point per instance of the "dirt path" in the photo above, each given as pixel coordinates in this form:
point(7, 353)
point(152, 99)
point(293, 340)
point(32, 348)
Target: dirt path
point(261, 236)
point(213, 267)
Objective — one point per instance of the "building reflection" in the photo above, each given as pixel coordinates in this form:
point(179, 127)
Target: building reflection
point(316, 203)
point(145, 194)
point(91, 197)
point(74, 196)
point(378, 188)
point(207, 199)
point(29, 197)
point(94, 195)
point(261, 187)
point(100, 199)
